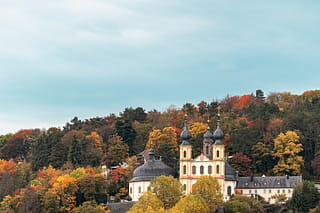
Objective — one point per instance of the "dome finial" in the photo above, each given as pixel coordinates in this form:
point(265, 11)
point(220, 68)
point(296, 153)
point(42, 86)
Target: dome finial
point(151, 152)
point(185, 134)
point(218, 134)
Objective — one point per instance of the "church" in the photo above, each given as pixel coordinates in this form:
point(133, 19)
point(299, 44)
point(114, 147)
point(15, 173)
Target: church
point(212, 162)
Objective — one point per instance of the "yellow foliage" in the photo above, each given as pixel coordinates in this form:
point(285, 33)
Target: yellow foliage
point(148, 202)
point(287, 148)
point(167, 135)
point(190, 204)
point(197, 128)
point(209, 189)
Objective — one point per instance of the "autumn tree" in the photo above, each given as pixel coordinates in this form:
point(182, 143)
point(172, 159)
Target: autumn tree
point(117, 151)
point(242, 164)
point(243, 204)
point(90, 207)
point(137, 114)
point(190, 204)
point(198, 128)
point(209, 189)
point(287, 148)
point(147, 200)
point(157, 137)
point(263, 157)
point(167, 189)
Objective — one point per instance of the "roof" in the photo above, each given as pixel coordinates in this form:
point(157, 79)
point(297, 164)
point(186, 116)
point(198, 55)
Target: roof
point(150, 170)
point(120, 207)
point(229, 172)
point(268, 182)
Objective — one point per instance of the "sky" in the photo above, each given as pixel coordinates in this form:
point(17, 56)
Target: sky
point(87, 58)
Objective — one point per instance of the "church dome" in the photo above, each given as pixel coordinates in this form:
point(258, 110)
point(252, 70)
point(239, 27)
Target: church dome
point(208, 136)
point(218, 134)
point(151, 169)
point(185, 134)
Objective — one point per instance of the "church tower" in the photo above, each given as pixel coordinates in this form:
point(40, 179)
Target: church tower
point(185, 157)
point(207, 143)
point(218, 153)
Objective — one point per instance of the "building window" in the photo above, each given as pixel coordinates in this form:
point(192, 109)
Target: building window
point(130, 190)
point(207, 150)
point(209, 170)
point(265, 191)
point(218, 169)
point(184, 154)
point(250, 191)
point(278, 191)
point(283, 191)
point(229, 190)
point(269, 199)
point(270, 191)
point(218, 153)
point(289, 191)
point(184, 169)
point(201, 170)
point(194, 170)
point(255, 191)
point(184, 187)
point(139, 189)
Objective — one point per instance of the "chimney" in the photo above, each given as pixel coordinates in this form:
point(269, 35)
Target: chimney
point(251, 178)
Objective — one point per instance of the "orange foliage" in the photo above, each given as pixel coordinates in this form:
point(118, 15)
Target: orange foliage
point(245, 101)
point(7, 166)
point(97, 140)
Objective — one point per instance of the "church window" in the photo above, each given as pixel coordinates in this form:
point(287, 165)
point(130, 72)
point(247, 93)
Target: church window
point(209, 170)
point(229, 190)
point(184, 187)
point(139, 189)
point(207, 150)
point(130, 190)
point(193, 170)
point(218, 169)
point(218, 153)
point(184, 154)
point(184, 169)
point(201, 170)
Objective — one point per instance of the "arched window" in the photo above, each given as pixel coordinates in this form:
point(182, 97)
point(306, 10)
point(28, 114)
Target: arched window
point(184, 187)
point(229, 190)
point(201, 170)
point(207, 150)
point(209, 170)
point(130, 190)
point(218, 169)
point(194, 170)
point(218, 153)
point(184, 154)
point(184, 169)
point(139, 189)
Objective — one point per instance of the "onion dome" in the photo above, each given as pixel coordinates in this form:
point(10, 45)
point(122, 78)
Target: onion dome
point(208, 136)
point(218, 134)
point(151, 169)
point(185, 134)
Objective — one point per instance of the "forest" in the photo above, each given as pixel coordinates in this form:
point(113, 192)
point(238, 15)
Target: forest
point(59, 169)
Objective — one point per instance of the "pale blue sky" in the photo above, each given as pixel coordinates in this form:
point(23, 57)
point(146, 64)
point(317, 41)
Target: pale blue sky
point(87, 58)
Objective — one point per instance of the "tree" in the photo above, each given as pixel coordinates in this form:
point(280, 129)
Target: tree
point(127, 133)
point(263, 157)
point(243, 204)
point(40, 153)
point(90, 207)
point(132, 115)
point(287, 148)
point(117, 151)
point(147, 200)
point(51, 203)
point(142, 137)
point(157, 137)
point(305, 196)
point(167, 189)
point(209, 189)
point(190, 204)
point(198, 128)
point(30, 202)
point(242, 164)
point(279, 197)
point(4, 139)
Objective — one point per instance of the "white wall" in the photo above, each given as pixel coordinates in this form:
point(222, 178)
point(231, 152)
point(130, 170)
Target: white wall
point(136, 189)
